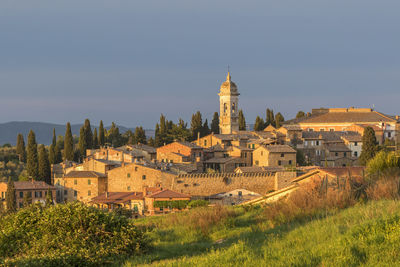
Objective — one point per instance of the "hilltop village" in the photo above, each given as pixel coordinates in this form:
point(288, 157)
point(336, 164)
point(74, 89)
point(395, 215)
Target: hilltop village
point(231, 167)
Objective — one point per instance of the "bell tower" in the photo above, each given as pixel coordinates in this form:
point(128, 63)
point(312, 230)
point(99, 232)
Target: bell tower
point(228, 107)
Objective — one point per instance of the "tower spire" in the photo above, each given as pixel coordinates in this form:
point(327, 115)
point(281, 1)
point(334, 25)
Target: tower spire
point(228, 77)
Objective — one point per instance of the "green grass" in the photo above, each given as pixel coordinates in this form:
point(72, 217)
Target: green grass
point(366, 234)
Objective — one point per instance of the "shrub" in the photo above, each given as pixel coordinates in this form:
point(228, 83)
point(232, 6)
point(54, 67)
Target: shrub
point(70, 234)
point(385, 188)
point(198, 203)
point(383, 162)
point(174, 204)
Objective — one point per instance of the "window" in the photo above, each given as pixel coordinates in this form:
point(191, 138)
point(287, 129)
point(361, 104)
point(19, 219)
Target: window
point(128, 175)
point(89, 193)
point(2, 194)
point(89, 182)
point(40, 193)
point(129, 188)
point(290, 162)
point(389, 134)
point(355, 154)
point(21, 194)
point(317, 143)
point(331, 129)
point(256, 162)
point(240, 193)
point(355, 144)
point(322, 130)
point(336, 154)
point(345, 154)
point(65, 192)
point(75, 193)
point(205, 142)
point(225, 107)
point(282, 155)
point(143, 177)
point(233, 107)
point(279, 162)
point(306, 143)
point(311, 130)
point(20, 204)
point(75, 182)
point(253, 146)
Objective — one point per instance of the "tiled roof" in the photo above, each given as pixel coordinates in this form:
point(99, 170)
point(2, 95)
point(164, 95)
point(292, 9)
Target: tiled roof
point(166, 193)
point(148, 149)
point(84, 174)
point(280, 149)
point(27, 185)
point(117, 197)
point(260, 169)
point(221, 160)
point(108, 162)
point(352, 117)
point(344, 171)
point(338, 148)
point(188, 144)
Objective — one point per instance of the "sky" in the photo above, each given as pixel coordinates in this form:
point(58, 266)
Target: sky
point(128, 61)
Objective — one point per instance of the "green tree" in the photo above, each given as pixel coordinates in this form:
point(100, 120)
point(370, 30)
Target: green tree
point(49, 198)
point(95, 139)
point(300, 114)
point(101, 134)
point(58, 148)
point(205, 129)
point(10, 197)
point(382, 161)
point(27, 200)
point(68, 144)
point(52, 149)
point(180, 131)
point(140, 135)
point(162, 135)
point(32, 165)
point(242, 121)
point(300, 158)
point(215, 123)
point(369, 145)
point(44, 165)
point(270, 119)
point(21, 152)
point(279, 119)
point(88, 134)
point(196, 125)
point(82, 142)
point(259, 124)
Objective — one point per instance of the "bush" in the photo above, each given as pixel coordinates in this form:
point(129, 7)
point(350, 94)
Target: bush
point(70, 234)
point(198, 203)
point(174, 204)
point(383, 162)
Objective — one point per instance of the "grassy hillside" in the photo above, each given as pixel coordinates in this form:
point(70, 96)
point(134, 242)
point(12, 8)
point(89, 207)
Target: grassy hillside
point(366, 234)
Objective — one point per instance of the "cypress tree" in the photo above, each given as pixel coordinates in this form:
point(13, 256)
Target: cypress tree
point(95, 139)
point(32, 165)
point(140, 135)
point(68, 144)
point(205, 129)
point(101, 134)
point(10, 197)
point(52, 149)
point(58, 148)
point(44, 165)
point(21, 152)
point(82, 142)
point(215, 123)
point(369, 145)
point(196, 125)
point(88, 134)
point(270, 120)
point(279, 119)
point(242, 121)
point(49, 198)
point(27, 199)
point(259, 125)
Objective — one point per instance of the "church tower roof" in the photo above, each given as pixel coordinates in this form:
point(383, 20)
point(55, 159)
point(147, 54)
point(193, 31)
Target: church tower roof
point(228, 87)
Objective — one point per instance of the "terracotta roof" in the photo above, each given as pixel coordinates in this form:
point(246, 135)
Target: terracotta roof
point(27, 185)
point(117, 197)
point(108, 162)
point(166, 193)
point(338, 148)
point(84, 174)
point(148, 149)
point(188, 144)
point(221, 160)
point(259, 169)
point(347, 116)
point(279, 149)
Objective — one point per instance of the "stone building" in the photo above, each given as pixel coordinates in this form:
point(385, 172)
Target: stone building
point(36, 190)
point(229, 109)
point(80, 185)
point(180, 152)
point(274, 155)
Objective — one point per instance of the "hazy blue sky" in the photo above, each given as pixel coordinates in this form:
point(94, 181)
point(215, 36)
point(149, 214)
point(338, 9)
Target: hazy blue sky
point(128, 61)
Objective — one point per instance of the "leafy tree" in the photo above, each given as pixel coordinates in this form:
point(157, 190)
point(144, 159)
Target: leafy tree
point(21, 152)
point(140, 135)
point(95, 139)
point(215, 123)
point(44, 165)
point(113, 136)
point(27, 200)
point(32, 165)
point(242, 121)
point(300, 114)
point(101, 134)
point(270, 119)
point(68, 144)
point(196, 125)
point(369, 145)
point(300, 158)
point(49, 198)
point(10, 197)
point(52, 152)
point(259, 124)
point(88, 134)
point(383, 160)
point(82, 142)
point(279, 119)
point(180, 131)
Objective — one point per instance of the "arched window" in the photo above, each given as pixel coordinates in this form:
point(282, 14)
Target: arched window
point(225, 107)
point(233, 107)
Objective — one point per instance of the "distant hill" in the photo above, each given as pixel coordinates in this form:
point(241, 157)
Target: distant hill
point(43, 131)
